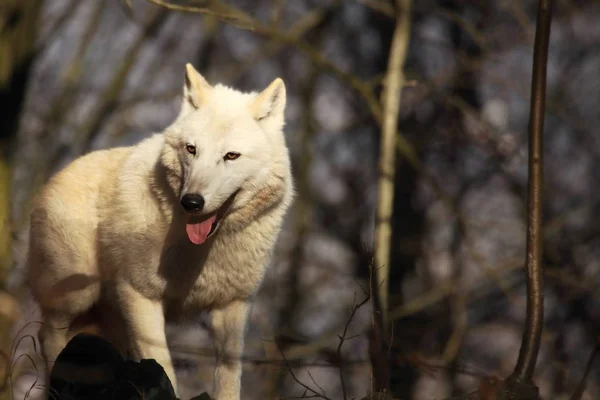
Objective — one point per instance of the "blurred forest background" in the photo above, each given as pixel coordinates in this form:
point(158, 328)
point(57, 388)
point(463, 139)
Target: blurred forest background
point(81, 75)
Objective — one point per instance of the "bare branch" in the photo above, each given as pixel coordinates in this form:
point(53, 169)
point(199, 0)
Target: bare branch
point(393, 84)
point(298, 381)
point(242, 20)
point(58, 24)
point(535, 301)
point(578, 394)
point(343, 338)
point(217, 9)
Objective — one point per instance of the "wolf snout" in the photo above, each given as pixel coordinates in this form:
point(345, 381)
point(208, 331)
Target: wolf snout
point(192, 202)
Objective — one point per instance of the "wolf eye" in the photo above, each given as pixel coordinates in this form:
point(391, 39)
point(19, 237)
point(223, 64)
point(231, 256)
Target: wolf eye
point(232, 155)
point(190, 148)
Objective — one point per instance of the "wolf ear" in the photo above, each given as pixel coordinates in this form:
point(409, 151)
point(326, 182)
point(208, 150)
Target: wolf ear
point(269, 105)
point(195, 90)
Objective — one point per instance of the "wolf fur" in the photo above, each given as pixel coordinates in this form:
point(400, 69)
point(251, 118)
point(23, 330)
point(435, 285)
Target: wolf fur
point(108, 232)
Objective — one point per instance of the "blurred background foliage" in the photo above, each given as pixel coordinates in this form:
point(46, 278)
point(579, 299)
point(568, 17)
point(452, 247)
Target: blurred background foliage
point(81, 75)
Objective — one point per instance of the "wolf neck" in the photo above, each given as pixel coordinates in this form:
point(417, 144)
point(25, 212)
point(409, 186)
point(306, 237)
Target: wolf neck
point(163, 178)
point(169, 170)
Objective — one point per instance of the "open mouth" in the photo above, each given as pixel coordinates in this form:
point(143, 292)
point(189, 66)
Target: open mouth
point(200, 227)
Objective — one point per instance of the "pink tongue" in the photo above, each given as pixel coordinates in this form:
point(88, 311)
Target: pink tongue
point(198, 232)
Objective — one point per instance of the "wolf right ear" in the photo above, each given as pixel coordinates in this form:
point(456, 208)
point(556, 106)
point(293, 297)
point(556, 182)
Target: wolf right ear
point(195, 90)
point(269, 106)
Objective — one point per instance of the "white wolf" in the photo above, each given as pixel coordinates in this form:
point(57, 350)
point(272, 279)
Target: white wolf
point(184, 221)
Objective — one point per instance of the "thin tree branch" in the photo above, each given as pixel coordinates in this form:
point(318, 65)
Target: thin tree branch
point(343, 338)
point(578, 394)
point(535, 301)
point(216, 8)
point(299, 29)
point(391, 95)
point(298, 381)
point(60, 106)
point(242, 20)
point(109, 96)
point(60, 22)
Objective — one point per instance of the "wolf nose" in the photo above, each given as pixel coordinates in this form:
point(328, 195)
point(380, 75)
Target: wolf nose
point(192, 202)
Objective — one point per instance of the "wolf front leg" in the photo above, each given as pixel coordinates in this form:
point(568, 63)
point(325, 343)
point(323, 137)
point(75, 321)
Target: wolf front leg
point(145, 325)
point(229, 326)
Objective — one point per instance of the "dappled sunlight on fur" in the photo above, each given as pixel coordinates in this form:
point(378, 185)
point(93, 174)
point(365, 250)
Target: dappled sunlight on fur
point(109, 247)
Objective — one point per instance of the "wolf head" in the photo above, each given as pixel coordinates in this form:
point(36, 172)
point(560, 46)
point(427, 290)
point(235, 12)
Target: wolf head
point(225, 155)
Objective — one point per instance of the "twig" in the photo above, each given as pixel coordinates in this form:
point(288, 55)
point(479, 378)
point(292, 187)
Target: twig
point(298, 381)
point(458, 306)
point(382, 7)
point(49, 36)
point(581, 386)
point(343, 338)
point(109, 97)
point(304, 210)
point(242, 20)
point(535, 301)
point(379, 371)
point(315, 382)
point(393, 84)
point(59, 110)
point(215, 8)
point(299, 29)
point(75, 69)
point(277, 12)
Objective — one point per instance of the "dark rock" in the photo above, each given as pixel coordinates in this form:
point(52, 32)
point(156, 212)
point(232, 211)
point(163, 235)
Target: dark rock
point(91, 368)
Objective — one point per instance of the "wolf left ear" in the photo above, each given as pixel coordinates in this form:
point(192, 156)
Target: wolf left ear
point(195, 90)
point(269, 105)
